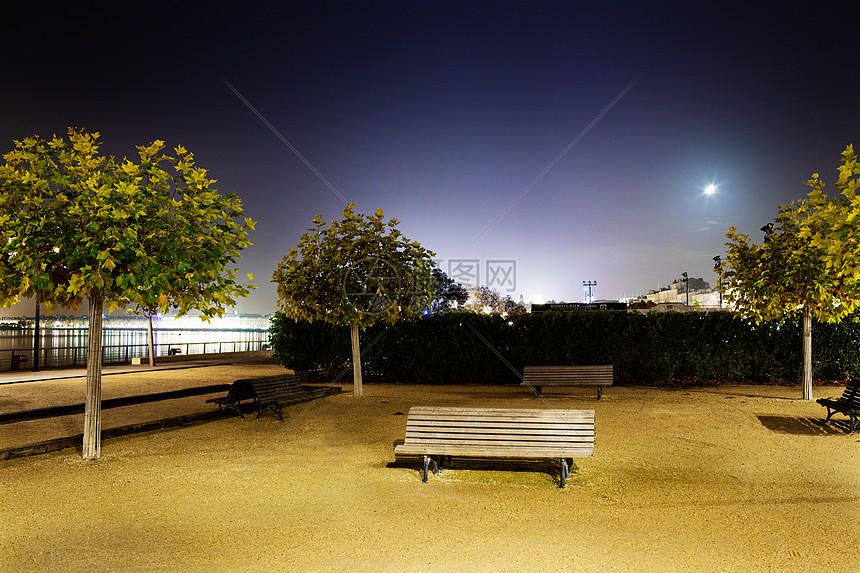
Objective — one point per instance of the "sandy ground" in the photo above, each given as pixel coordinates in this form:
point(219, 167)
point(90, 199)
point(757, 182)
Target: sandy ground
point(740, 478)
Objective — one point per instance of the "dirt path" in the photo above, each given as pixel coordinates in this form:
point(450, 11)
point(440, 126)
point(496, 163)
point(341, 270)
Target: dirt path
point(732, 479)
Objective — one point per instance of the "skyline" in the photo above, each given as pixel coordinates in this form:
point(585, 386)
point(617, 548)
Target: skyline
point(575, 141)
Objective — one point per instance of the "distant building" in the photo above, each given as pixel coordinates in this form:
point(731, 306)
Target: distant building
point(701, 294)
point(579, 306)
point(673, 307)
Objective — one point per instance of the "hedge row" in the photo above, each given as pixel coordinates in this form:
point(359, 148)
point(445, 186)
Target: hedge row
point(456, 347)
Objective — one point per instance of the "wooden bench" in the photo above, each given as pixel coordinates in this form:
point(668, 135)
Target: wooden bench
point(269, 394)
point(536, 377)
point(437, 433)
point(848, 404)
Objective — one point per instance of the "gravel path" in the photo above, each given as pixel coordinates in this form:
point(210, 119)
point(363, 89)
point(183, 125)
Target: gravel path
point(741, 478)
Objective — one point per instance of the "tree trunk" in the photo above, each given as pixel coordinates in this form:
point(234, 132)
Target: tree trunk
point(92, 412)
point(356, 360)
point(150, 345)
point(807, 353)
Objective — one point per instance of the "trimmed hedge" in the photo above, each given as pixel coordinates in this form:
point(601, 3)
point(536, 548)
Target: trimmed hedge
point(458, 347)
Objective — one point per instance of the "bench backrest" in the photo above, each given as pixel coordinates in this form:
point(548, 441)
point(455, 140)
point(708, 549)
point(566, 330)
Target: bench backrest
point(275, 386)
point(852, 394)
point(538, 375)
point(517, 432)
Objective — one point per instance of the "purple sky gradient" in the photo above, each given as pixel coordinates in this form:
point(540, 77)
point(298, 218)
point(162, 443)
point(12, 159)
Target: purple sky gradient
point(444, 113)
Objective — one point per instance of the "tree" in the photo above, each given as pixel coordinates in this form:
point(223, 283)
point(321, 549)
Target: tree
point(80, 227)
point(354, 272)
point(799, 267)
point(484, 299)
point(448, 294)
point(510, 307)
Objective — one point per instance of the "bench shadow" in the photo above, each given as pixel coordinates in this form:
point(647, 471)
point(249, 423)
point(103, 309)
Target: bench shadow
point(800, 426)
point(548, 467)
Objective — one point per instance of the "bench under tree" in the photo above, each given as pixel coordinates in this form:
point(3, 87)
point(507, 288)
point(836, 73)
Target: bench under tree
point(269, 394)
point(536, 377)
point(437, 433)
point(848, 404)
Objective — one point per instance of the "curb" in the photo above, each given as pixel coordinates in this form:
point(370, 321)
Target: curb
point(77, 440)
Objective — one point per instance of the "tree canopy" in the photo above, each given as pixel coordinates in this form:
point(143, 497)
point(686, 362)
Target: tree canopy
point(77, 226)
point(355, 271)
point(449, 295)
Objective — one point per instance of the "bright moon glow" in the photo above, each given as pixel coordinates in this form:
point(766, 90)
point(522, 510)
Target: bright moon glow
point(710, 189)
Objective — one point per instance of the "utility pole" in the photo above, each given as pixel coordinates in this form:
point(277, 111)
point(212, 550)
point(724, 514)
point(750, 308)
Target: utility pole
point(687, 286)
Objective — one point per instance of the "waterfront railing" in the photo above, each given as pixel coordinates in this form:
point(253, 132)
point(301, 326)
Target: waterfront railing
point(76, 354)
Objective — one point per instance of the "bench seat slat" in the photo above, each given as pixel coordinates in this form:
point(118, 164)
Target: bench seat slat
point(494, 430)
point(454, 434)
point(457, 448)
point(499, 452)
point(532, 423)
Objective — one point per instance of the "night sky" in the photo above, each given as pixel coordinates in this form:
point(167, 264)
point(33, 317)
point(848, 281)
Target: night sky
point(559, 141)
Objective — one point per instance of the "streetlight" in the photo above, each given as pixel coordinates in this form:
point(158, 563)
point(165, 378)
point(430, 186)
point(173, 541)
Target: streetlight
point(717, 262)
point(686, 287)
point(588, 285)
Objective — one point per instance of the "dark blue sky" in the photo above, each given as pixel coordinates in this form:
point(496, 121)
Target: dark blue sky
point(454, 117)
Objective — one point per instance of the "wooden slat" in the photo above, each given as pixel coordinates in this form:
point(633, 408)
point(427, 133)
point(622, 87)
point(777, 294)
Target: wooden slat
point(498, 432)
point(514, 413)
point(498, 452)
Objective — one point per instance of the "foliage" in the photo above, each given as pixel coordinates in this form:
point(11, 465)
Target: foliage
point(305, 347)
point(488, 300)
point(655, 348)
point(357, 270)
point(448, 294)
point(832, 227)
point(786, 272)
point(77, 225)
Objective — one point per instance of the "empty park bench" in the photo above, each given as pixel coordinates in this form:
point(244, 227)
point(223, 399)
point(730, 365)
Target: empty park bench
point(438, 433)
point(269, 393)
point(848, 404)
point(536, 377)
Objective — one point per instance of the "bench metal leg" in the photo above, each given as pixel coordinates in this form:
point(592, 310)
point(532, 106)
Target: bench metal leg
point(537, 391)
point(438, 465)
point(237, 406)
point(565, 471)
point(273, 408)
point(599, 392)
